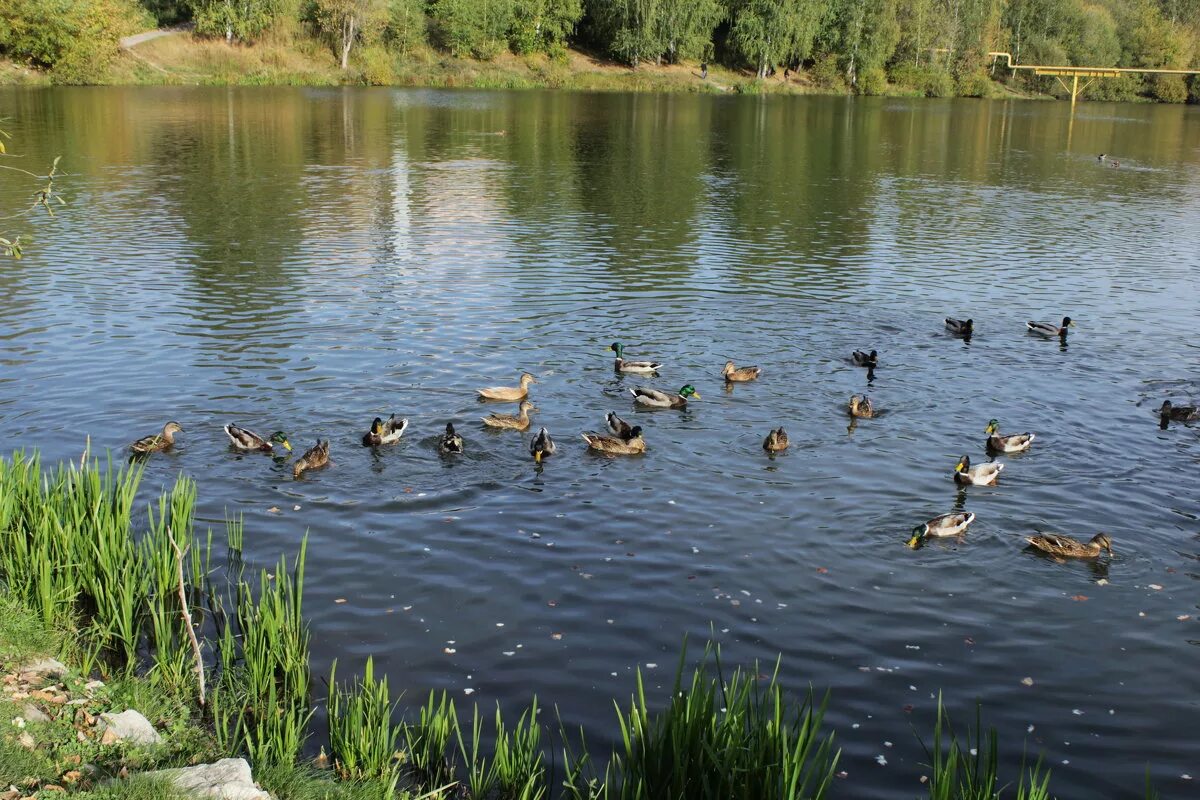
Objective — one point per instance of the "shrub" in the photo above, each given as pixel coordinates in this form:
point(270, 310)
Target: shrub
point(929, 81)
point(469, 28)
point(975, 84)
point(872, 80)
point(76, 39)
point(827, 73)
point(376, 64)
point(407, 26)
point(1170, 89)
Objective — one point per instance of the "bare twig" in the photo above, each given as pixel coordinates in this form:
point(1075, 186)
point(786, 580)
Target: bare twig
point(187, 617)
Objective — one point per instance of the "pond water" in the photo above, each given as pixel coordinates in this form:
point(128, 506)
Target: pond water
point(305, 260)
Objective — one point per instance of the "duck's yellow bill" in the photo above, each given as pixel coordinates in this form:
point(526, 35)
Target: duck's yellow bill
point(537, 456)
point(914, 542)
point(695, 395)
point(958, 467)
point(287, 446)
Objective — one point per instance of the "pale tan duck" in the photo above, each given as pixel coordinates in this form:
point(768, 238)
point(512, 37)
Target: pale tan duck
point(509, 393)
point(520, 422)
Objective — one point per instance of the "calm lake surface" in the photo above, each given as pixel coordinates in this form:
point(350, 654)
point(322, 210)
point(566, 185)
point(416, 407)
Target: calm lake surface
point(305, 260)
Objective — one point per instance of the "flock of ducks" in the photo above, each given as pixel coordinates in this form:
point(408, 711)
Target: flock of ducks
point(625, 439)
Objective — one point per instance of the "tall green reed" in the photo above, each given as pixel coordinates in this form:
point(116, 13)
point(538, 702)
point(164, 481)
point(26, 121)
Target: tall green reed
point(362, 736)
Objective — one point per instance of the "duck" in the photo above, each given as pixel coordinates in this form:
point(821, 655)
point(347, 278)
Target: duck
point(251, 442)
point(316, 457)
point(519, 422)
point(869, 360)
point(541, 446)
point(508, 393)
point(1013, 443)
point(945, 525)
point(1066, 547)
point(450, 442)
point(384, 432)
point(621, 365)
point(776, 441)
point(861, 406)
point(982, 475)
point(157, 442)
point(653, 398)
point(1049, 328)
point(618, 426)
point(960, 327)
point(1169, 411)
point(1102, 157)
point(621, 447)
point(740, 374)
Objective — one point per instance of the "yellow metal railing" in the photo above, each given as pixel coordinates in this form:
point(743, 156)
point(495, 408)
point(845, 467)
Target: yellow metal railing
point(1075, 73)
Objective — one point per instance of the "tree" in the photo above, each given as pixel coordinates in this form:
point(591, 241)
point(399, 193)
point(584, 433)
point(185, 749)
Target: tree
point(544, 25)
point(684, 28)
point(406, 25)
point(771, 32)
point(244, 20)
point(476, 28)
point(346, 22)
point(864, 32)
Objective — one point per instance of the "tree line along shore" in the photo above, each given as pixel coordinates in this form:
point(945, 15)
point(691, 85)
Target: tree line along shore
point(935, 48)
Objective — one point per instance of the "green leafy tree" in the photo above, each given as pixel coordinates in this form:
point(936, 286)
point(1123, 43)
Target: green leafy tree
point(544, 25)
point(345, 23)
point(626, 28)
point(476, 28)
point(771, 32)
point(76, 39)
point(865, 33)
point(244, 20)
point(407, 25)
point(684, 28)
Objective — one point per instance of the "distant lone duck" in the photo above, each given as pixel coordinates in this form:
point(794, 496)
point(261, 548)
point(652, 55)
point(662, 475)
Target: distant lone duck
point(776, 441)
point(634, 445)
point(316, 457)
point(251, 442)
point(157, 442)
point(509, 393)
point(1066, 547)
point(541, 446)
point(1102, 157)
point(519, 422)
point(1169, 411)
point(618, 426)
point(960, 327)
point(450, 442)
point(982, 475)
point(869, 360)
point(860, 406)
point(1050, 329)
point(382, 432)
point(945, 525)
point(621, 365)
point(653, 398)
point(1013, 443)
point(740, 374)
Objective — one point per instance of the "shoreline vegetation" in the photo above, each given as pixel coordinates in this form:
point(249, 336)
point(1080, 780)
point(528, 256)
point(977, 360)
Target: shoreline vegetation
point(154, 623)
point(931, 48)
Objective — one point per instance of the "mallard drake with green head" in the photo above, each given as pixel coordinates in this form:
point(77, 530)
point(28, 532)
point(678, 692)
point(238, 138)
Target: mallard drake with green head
point(619, 427)
point(734, 374)
point(519, 422)
point(1049, 328)
point(653, 398)
point(620, 447)
point(1170, 411)
point(509, 393)
point(384, 431)
point(960, 327)
point(542, 446)
point(249, 441)
point(450, 442)
point(621, 365)
point(945, 525)
point(1066, 547)
point(157, 442)
point(861, 359)
point(861, 406)
point(1013, 443)
point(982, 475)
point(316, 457)
point(776, 441)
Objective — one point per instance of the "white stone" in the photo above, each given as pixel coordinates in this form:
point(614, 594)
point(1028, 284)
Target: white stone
point(128, 726)
point(227, 779)
point(48, 667)
point(33, 714)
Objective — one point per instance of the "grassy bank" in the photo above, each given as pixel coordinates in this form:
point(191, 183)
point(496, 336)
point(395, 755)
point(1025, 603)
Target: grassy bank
point(116, 591)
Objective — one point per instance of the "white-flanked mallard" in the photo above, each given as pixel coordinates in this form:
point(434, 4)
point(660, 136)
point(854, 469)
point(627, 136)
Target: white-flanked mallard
point(1066, 547)
point(1013, 443)
point(618, 426)
point(861, 406)
point(157, 442)
point(450, 442)
point(509, 393)
point(519, 422)
point(776, 441)
point(960, 327)
point(249, 441)
point(542, 446)
point(982, 475)
point(384, 432)
point(1049, 328)
point(621, 365)
point(1170, 411)
point(653, 398)
point(621, 447)
point(861, 359)
point(740, 374)
point(316, 457)
point(945, 525)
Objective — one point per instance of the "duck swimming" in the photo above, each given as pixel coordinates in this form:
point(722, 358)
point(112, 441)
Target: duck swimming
point(982, 475)
point(450, 442)
point(519, 422)
point(1066, 547)
point(316, 457)
point(618, 426)
point(860, 406)
point(739, 374)
point(249, 441)
point(541, 446)
point(960, 327)
point(776, 441)
point(869, 360)
point(157, 442)
point(1049, 328)
point(508, 393)
point(1013, 443)
point(382, 432)
point(621, 365)
point(621, 447)
point(945, 525)
point(1169, 411)
point(653, 398)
